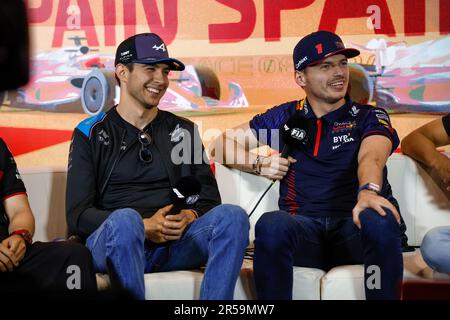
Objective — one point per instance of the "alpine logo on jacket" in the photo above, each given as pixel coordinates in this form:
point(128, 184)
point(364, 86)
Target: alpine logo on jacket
point(103, 137)
point(177, 134)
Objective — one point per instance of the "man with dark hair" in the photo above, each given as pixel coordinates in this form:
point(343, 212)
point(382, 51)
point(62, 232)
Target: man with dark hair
point(124, 167)
point(336, 205)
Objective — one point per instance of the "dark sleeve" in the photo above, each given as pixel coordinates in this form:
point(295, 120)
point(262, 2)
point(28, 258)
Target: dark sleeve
point(266, 126)
point(377, 122)
point(446, 123)
point(83, 217)
point(10, 180)
point(209, 194)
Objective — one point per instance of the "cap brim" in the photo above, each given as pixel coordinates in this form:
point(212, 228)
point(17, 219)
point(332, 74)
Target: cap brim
point(347, 52)
point(173, 64)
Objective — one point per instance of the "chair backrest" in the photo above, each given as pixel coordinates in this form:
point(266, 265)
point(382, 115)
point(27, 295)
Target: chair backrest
point(46, 188)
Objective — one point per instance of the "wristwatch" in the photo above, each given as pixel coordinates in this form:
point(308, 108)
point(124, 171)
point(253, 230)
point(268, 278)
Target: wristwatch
point(371, 187)
point(25, 234)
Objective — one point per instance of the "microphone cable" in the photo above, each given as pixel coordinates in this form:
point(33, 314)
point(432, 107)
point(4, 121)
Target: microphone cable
point(260, 198)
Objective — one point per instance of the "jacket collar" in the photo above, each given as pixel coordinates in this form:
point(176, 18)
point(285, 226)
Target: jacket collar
point(117, 119)
point(305, 108)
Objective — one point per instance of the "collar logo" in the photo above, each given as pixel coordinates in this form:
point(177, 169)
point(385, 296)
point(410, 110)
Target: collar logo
point(302, 105)
point(354, 111)
point(161, 47)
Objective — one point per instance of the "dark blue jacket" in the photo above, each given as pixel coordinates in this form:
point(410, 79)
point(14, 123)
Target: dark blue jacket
point(97, 149)
point(324, 180)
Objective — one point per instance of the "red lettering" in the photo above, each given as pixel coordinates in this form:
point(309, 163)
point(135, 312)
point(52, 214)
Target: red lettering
point(87, 23)
point(414, 17)
point(335, 10)
point(272, 12)
point(444, 16)
point(319, 48)
point(236, 31)
point(129, 17)
point(169, 30)
point(41, 13)
point(109, 18)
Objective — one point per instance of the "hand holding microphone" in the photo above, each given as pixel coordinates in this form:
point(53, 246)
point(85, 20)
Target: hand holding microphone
point(185, 194)
point(275, 167)
point(169, 222)
point(294, 134)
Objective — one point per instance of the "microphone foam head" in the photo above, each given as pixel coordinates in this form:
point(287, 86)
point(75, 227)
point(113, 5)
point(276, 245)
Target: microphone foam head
point(187, 186)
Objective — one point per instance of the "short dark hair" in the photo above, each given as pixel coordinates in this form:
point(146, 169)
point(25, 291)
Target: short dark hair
point(129, 66)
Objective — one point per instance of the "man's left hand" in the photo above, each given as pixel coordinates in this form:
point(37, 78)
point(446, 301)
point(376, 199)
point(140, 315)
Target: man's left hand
point(369, 199)
point(174, 225)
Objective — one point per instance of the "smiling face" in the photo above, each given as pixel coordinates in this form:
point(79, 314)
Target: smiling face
point(146, 83)
point(327, 81)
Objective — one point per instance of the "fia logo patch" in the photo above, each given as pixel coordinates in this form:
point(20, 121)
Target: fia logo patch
point(298, 134)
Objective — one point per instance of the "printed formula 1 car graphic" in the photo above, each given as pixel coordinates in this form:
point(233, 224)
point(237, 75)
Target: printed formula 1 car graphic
point(404, 78)
point(79, 79)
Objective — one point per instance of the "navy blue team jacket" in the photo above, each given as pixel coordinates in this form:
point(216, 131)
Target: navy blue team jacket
point(324, 180)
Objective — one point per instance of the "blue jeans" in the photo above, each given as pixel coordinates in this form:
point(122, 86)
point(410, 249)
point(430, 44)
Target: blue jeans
point(217, 239)
point(283, 241)
point(435, 249)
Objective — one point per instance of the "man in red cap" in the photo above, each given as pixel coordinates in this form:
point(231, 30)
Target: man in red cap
point(336, 205)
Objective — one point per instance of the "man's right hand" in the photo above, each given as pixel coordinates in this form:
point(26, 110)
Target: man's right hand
point(153, 226)
point(8, 260)
point(275, 167)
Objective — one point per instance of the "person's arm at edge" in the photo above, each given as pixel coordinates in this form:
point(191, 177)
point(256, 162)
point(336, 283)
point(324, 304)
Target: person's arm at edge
point(20, 218)
point(421, 145)
point(19, 213)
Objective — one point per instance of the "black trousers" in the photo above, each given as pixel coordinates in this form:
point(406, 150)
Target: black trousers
point(54, 269)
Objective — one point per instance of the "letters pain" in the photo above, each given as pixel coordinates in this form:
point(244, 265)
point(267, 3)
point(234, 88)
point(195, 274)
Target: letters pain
point(167, 31)
point(166, 24)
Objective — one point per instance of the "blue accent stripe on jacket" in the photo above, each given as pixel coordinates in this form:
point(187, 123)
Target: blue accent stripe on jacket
point(85, 126)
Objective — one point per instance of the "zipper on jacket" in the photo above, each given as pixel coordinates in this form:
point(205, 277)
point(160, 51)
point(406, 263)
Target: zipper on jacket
point(114, 164)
